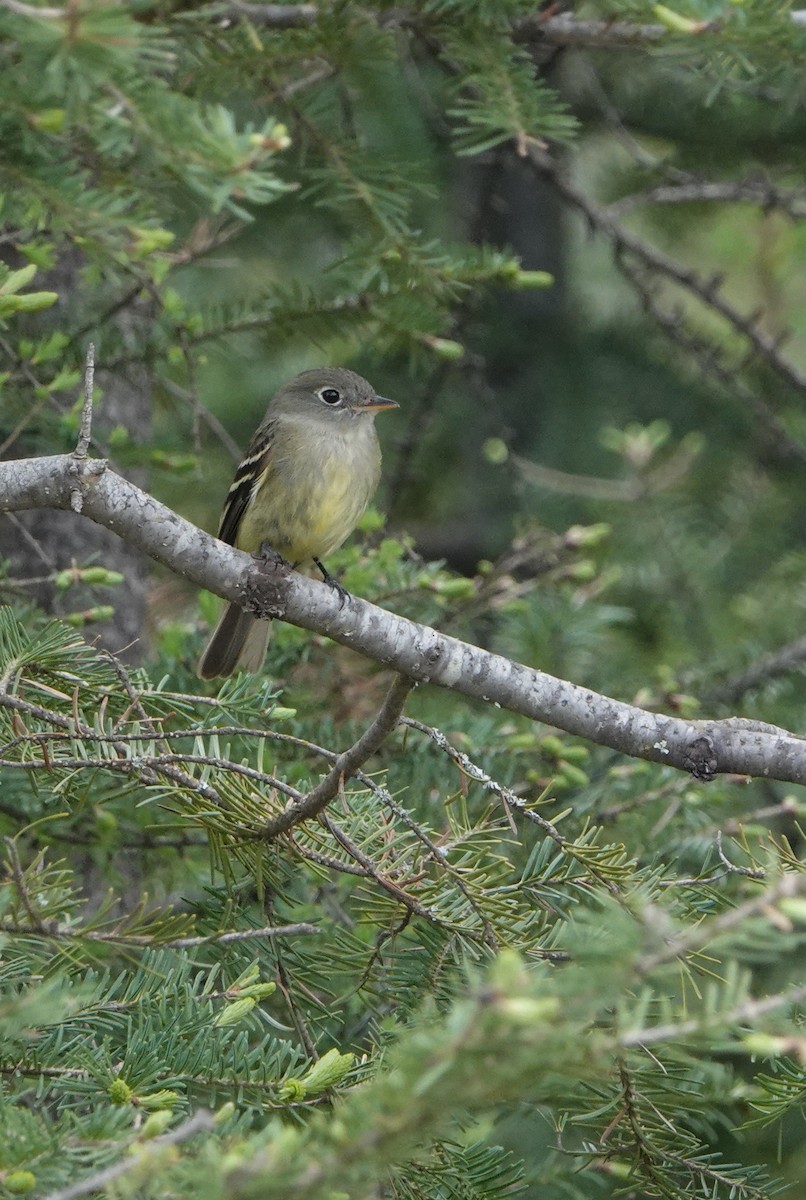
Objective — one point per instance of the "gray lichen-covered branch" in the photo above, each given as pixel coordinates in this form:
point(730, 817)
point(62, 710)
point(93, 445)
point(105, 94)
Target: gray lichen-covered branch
point(704, 748)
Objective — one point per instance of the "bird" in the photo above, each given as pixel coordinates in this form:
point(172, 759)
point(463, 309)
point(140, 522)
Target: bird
point(308, 474)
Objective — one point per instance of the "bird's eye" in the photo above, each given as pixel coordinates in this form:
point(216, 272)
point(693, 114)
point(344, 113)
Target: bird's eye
point(329, 396)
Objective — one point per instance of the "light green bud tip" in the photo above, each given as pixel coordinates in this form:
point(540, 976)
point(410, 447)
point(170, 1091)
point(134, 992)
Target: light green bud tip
point(496, 451)
point(101, 612)
point(330, 1070)
point(235, 1012)
point(20, 1182)
point(455, 588)
point(523, 281)
point(675, 21)
point(248, 976)
point(794, 907)
point(120, 1092)
point(765, 1045)
point(445, 348)
point(156, 1123)
point(586, 535)
point(30, 302)
point(279, 713)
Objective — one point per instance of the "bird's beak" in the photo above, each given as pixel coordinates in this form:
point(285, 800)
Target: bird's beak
point(379, 404)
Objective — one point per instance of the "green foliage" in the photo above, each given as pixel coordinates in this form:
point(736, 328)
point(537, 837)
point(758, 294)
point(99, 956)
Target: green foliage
point(498, 97)
point(464, 944)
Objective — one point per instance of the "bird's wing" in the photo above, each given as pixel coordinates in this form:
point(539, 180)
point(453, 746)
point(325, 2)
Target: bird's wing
point(246, 478)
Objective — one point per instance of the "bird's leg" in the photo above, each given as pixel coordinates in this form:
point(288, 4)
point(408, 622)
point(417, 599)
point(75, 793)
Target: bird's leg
point(331, 581)
point(268, 554)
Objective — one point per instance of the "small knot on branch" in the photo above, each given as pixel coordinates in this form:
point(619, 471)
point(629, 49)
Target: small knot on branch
point(701, 760)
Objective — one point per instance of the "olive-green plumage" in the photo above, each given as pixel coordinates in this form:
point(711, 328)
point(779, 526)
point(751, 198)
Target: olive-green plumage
point(305, 480)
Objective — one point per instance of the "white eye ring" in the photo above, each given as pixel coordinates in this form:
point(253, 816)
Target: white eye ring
point(330, 396)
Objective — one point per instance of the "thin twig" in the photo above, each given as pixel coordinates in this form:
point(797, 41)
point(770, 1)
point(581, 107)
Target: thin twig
point(201, 413)
point(690, 942)
point(30, 415)
point(563, 29)
point(397, 892)
point(706, 291)
point(638, 486)
point(33, 10)
point(79, 729)
point(708, 359)
point(698, 191)
point(731, 868)
point(275, 16)
point(770, 666)
point(347, 763)
point(507, 797)
point(85, 428)
point(118, 938)
point(743, 1014)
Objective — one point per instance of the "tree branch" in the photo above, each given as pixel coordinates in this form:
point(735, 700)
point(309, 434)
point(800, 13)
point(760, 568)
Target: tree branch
point(760, 192)
point(275, 16)
point(347, 763)
point(200, 1121)
point(564, 29)
point(705, 290)
point(791, 657)
point(704, 748)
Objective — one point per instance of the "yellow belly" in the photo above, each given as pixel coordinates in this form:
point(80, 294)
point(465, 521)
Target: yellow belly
point(307, 514)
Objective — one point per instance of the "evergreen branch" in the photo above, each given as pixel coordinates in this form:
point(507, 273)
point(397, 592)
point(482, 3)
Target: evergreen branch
point(761, 192)
point(510, 800)
point(559, 29)
point(706, 356)
point(638, 486)
point(149, 768)
point(743, 1014)
point(705, 290)
point(499, 1042)
point(655, 1160)
point(647, 1154)
point(705, 748)
point(358, 306)
point(272, 16)
point(507, 797)
point(791, 884)
point(201, 1121)
point(115, 938)
point(326, 860)
point(143, 771)
point(32, 10)
point(373, 871)
point(347, 763)
point(563, 29)
point(290, 817)
point(770, 666)
point(437, 854)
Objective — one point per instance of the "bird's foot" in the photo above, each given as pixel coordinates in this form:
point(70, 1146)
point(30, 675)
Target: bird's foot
point(332, 582)
point(268, 554)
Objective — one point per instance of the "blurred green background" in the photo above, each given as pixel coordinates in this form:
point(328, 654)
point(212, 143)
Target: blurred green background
point(602, 477)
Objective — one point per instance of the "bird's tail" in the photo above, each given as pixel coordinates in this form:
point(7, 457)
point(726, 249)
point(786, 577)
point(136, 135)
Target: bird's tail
point(238, 640)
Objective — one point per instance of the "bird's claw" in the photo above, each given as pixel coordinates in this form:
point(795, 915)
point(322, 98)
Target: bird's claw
point(332, 582)
point(268, 554)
